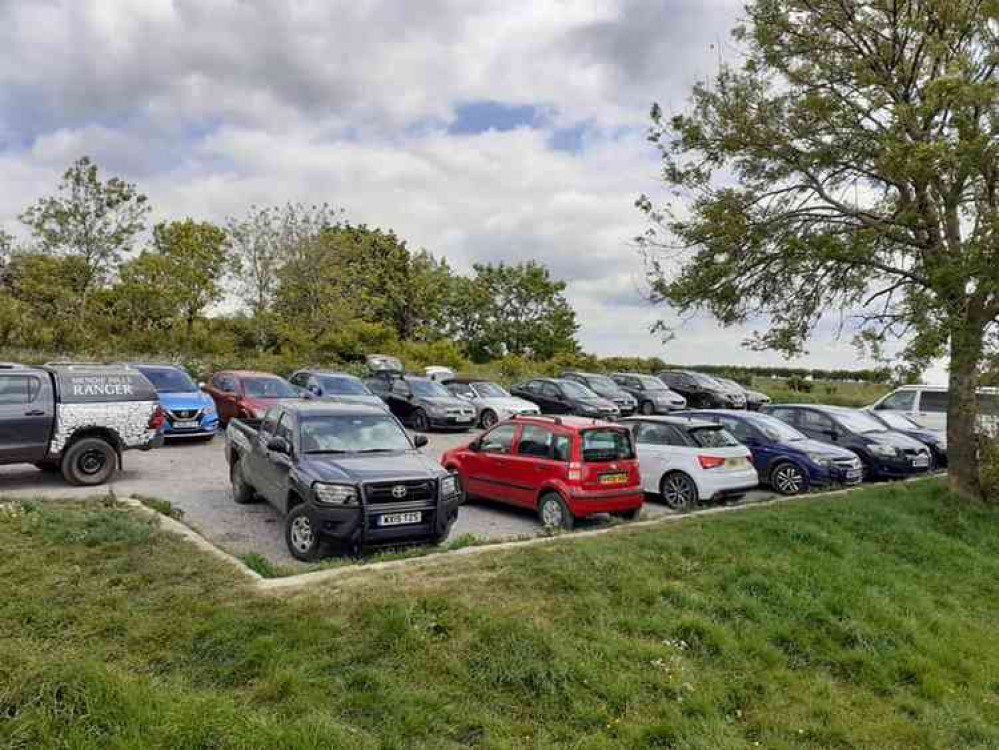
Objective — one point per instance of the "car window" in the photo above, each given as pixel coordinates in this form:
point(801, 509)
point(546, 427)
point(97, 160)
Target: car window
point(225, 383)
point(536, 441)
point(169, 380)
point(461, 389)
point(899, 401)
point(550, 390)
point(353, 433)
point(18, 389)
point(737, 428)
point(561, 450)
point(934, 401)
point(428, 389)
point(283, 429)
point(268, 388)
point(813, 420)
point(378, 385)
point(715, 436)
point(790, 416)
point(499, 440)
point(607, 445)
point(270, 421)
point(650, 433)
point(341, 385)
point(988, 404)
point(299, 379)
point(400, 388)
point(490, 390)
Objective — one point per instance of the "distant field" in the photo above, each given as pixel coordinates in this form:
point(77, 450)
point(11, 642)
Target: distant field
point(861, 622)
point(823, 392)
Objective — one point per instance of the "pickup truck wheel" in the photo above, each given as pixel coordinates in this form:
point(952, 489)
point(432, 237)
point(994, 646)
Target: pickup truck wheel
point(301, 536)
point(554, 513)
point(242, 492)
point(420, 421)
point(89, 462)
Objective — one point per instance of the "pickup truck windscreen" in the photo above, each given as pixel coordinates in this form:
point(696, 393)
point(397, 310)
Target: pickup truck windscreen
point(366, 433)
point(268, 388)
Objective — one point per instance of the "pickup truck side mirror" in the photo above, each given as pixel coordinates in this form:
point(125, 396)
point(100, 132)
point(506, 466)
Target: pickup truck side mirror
point(279, 445)
point(420, 440)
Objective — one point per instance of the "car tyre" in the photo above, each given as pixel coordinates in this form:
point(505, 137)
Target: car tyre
point(648, 408)
point(788, 479)
point(678, 491)
point(554, 513)
point(488, 419)
point(301, 535)
point(89, 462)
point(242, 491)
point(421, 423)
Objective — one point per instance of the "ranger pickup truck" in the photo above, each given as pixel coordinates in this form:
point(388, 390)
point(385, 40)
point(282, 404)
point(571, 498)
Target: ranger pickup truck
point(346, 474)
point(76, 419)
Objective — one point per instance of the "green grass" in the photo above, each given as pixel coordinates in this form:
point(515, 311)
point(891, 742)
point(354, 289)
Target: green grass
point(832, 393)
point(866, 621)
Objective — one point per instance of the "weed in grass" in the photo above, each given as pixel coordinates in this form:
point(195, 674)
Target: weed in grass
point(163, 507)
point(260, 565)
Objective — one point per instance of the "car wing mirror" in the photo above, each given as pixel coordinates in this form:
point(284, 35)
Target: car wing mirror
point(420, 440)
point(475, 446)
point(279, 445)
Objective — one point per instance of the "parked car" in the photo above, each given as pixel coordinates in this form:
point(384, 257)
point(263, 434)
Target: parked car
point(927, 406)
point(755, 400)
point(884, 453)
point(556, 396)
point(605, 387)
point(702, 391)
point(785, 459)
point(190, 412)
point(652, 395)
point(423, 404)
point(565, 468)
point(492, 401)
point(343, 473)
point(76, 419)
point(685, 460)
point(935, 440)
point(247, 394)
point(330, 385)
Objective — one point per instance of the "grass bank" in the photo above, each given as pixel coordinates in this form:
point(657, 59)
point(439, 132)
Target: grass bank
point(864, 622)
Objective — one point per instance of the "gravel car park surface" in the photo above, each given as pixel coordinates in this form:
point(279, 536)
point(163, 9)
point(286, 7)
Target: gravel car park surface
point(194, 477)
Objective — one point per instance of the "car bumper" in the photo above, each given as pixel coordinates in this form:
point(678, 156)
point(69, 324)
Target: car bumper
point(206, 426)
point(719, 484)
point(452, 423)
point(361, 524)
point(823, 477)
point(583, 504)
point(897, 468)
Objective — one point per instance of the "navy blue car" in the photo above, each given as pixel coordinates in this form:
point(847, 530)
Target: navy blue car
point(785, 459)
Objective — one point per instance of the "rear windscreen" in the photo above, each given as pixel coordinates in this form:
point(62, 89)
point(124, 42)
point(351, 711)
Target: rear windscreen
point(607, 445)
point(712, 437)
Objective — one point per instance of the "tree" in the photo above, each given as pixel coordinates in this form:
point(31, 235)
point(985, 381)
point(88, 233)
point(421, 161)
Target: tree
point(45, 291)
point(197, 256)
point(849, 162)
point(516, 309)
point(89, 219)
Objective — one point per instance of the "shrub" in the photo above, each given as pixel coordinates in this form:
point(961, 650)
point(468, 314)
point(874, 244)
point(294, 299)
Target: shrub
point(988, 467)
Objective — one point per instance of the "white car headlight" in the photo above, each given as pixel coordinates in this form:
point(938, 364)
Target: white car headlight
point(449, 485)
point(210, 407)
point(335, 494)
point(888, 451)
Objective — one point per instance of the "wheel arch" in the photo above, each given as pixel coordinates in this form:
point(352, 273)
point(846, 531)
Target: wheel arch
point(107, 434)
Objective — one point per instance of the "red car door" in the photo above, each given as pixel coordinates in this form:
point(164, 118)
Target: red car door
point(224, 389)
point(485, 470)
point(541, 457)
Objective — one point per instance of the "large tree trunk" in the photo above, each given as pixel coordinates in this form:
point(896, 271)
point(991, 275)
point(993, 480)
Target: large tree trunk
point(962, 412)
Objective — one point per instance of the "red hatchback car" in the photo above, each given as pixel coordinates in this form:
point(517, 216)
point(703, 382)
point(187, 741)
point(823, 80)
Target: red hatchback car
point(563, 467)
point(246, 393)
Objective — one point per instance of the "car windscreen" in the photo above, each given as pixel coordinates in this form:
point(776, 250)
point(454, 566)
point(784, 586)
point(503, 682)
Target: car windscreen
point(607, 445)
point(575, 390)
point(897, 421)
point(428, 389)
point(490, 390)
point(168, 380)
point(653, 384)
point(775, 429)
point(341, 385)
point(712, 437)
point(705, 381)
point(268, 388)
point(603, 385)
point(855, 421)
point(365, 433)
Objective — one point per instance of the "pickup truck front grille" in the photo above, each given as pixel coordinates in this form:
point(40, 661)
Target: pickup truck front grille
point(404, 491)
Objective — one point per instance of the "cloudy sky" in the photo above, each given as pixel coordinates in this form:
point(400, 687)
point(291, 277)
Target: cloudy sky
point(487, 130)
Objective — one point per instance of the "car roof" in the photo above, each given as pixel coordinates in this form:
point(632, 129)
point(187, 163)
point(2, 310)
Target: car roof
point(678, 421)
point(582, 374)
point(816, 407)
point(154, 365)
point(249, 374)
point(337, 373)
point(468, 381)
point(573, 423)
point(330, 408)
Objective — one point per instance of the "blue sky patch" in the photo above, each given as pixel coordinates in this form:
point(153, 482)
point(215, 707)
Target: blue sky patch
point(481, 116)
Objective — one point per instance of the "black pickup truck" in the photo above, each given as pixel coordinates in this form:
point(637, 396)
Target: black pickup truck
point(342, 473)
point(77, 419)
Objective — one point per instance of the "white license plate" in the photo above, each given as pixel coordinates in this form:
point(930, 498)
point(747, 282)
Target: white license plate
point(399, 519)
point(920, 461)
point(853, 475)
point(185, 424)
point(736, 463)
point(464, 419)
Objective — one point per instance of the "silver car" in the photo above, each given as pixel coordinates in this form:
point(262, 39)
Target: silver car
point(492, 401)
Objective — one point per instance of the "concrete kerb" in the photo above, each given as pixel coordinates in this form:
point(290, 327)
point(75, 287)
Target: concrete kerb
point(294, 582)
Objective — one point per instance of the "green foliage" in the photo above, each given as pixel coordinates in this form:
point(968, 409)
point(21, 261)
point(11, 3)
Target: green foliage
point(260, 565)
point(858, 622)
point(848, 164)
point(988, 447)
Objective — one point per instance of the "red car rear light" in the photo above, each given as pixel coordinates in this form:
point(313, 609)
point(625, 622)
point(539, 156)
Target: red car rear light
point(158, 419)
point(710, 462)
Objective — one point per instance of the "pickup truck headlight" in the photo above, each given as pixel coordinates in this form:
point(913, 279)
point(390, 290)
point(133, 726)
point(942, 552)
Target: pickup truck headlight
point(886, 451)
point(449, 485)
point(335, 494)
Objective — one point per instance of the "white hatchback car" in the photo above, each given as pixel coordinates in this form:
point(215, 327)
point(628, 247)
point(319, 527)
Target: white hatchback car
point(685, 460)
